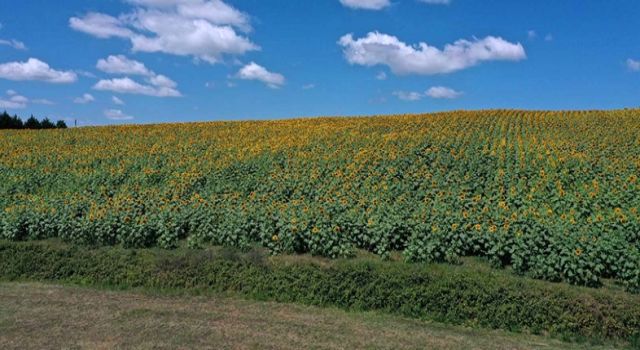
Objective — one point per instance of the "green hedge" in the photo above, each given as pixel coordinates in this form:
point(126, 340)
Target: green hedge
point(443, 293)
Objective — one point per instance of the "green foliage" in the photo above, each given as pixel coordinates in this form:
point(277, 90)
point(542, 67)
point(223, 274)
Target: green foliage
point(554, 195)
point(32, 123)
point(47, 124)
point(8, 122)
point(459, 295)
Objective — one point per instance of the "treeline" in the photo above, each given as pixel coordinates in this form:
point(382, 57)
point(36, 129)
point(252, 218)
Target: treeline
point(15, 122)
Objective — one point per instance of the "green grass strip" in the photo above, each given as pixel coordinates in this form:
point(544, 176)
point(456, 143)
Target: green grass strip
point(451, 294)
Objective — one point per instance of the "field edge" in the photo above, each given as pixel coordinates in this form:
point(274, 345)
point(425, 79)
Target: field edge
point(451, 295)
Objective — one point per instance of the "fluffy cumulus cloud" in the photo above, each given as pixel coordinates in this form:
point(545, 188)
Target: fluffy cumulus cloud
point(101, 25)
point(215, 11)
point(437, 92)
point(13, 100)
point(442, 92)
point(383, 49)
point(84, 99)
point(116, 114)
point(162, 81)
point(119, 64)
point(156, 85)
point(366, 4)
point(205, 29)
point(254, 71)
point(163, 87)
point(34, 69)
point(633, 65)
point(18, 45)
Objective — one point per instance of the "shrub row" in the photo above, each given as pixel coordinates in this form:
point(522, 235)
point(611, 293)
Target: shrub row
point(443, 293)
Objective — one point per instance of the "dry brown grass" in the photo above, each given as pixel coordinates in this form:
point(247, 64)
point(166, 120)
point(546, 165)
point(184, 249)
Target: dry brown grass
point(39, 316)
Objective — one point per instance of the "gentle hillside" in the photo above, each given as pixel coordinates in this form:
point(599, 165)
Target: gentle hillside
point(554, 194)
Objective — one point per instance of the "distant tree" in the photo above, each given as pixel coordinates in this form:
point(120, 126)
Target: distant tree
point(8, 122)
point(16, 123)
point(47, 124)
point(32, 123)
point(5, 121)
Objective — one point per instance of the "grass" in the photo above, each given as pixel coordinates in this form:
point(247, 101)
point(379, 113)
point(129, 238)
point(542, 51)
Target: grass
point(471, 294)
point(35, 316)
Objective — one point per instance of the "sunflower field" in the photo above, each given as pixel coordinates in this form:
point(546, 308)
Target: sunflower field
point(554, 195)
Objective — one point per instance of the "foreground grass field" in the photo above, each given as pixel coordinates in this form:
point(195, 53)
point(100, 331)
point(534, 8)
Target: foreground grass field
point(36, 316)
point(471, 294)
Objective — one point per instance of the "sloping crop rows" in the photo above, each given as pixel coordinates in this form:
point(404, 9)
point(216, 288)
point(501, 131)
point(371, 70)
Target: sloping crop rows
point(555, 195)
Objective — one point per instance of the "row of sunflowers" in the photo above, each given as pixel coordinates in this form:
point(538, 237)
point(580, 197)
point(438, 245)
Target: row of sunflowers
point(554, 195)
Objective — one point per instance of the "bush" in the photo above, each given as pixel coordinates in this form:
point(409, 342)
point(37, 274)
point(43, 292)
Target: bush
point(455, 295)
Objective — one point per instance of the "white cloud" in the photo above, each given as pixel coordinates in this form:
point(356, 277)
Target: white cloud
point(254, 71)
point(13, 101)
point(18, 45)
point(188, 37)
point(382, 49)
point(128, 86)
point(120, 64)
point(116, 114)
point(381, 76)
point(159, 85)
point(42, 101)
point(100, 25)
point(84, 99)
point(408, 96)
point(633, 65)
point(8, 104)
point(436, 2)
point(17, 101)
point(442, 92)
point(215, 11)
point(117, 101)
point(533, 35)
point(204, 29)
point(86, 74)
point(438, 92)
point(308, 86)
point(34, 69)
point(162, 81)
point(366, 4)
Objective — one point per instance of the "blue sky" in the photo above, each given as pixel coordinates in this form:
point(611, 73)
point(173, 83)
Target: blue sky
point(147, 61)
